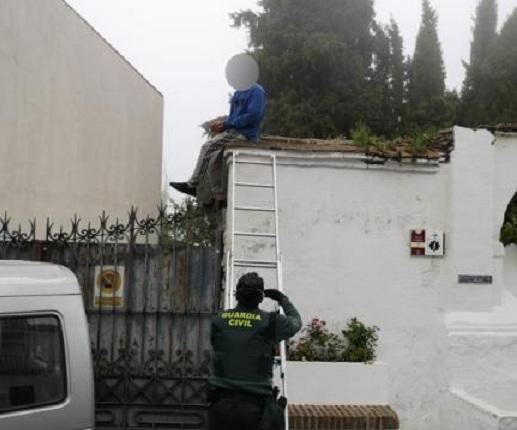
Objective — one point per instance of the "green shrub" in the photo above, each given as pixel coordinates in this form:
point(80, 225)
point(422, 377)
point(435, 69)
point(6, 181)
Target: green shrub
point(362, 342)
point(421, 142)
point(362, 136)
point(509, 228)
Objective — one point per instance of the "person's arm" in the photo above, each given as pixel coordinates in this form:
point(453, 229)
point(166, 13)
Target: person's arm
point(290, 323)
point(253, 113)
point(220, 126)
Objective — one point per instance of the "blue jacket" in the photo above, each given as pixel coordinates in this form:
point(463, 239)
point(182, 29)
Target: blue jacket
point(247, 111)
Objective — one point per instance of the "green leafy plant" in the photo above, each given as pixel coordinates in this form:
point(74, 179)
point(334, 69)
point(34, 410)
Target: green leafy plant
point(192, 224)
point(421, 142)
point(509, 228)
point(362, 342)
point(362, 136)
point(355, 344)
point(367, 141)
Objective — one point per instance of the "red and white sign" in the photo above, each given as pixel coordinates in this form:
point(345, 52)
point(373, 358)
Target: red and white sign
point(427, 243)
point(417, 242)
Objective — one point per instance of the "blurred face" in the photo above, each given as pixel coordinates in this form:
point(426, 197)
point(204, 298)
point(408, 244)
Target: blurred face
point(242, 72)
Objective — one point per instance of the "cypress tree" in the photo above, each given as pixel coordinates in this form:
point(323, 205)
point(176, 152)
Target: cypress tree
point(484, 36)
point(378, 94)
point(498, 82)
point(427, 71)
point(398, 74)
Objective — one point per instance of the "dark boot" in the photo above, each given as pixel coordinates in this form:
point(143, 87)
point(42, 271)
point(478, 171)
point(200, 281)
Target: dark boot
point(184, 187)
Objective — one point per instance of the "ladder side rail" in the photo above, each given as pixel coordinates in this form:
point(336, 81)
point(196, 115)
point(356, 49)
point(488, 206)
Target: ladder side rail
point(283, 352)
point(231, 297)
point(226, 300)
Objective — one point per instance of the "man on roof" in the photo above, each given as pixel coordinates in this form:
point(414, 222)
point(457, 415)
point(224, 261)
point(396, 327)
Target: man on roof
point(247, 110)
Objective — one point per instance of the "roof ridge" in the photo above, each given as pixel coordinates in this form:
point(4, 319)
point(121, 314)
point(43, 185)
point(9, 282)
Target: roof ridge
point(110, 45)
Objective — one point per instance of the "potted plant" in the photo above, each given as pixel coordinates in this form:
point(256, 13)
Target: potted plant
point(329, 368)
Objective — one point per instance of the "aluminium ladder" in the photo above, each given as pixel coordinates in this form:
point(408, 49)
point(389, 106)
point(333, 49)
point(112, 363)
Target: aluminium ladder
point(233, 261)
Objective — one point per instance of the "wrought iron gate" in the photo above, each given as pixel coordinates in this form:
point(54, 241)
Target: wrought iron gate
point(149, 299)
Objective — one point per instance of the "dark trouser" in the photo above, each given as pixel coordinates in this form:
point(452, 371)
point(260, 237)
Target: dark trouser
point(209, 150)
point(235, 412)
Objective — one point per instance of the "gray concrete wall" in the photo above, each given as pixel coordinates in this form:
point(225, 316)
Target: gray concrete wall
point(80, 128)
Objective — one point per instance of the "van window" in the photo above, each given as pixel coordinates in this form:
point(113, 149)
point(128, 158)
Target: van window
point(32, 362)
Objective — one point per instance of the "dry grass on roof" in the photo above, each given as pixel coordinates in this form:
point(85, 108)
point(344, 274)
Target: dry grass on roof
point(438, 146)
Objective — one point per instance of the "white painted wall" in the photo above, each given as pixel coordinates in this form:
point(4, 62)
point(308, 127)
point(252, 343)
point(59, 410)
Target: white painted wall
point(505, 186)
point(80, 128)
point(470, 206)
point(467, 412)
point(337, 383)
point(344, 232)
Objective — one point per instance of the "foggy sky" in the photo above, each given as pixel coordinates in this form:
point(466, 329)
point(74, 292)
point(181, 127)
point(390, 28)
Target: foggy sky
point(182, 48)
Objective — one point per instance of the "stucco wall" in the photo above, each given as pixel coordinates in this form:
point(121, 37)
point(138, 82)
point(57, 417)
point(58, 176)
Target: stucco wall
point(357, 383)
point(505, 186)
point(469, 413)
point(470, 210)
point(344, 232)
point(80, 129)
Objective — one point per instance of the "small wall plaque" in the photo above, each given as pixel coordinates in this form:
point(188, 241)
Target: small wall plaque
point(109, 288)
point(430, 243)
point(475, 279)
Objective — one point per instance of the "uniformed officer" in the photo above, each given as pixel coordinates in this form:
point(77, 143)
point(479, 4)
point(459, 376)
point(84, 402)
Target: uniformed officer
point(243, 340)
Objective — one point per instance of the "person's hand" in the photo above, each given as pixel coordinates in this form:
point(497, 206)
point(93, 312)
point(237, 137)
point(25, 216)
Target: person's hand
point(217, 127)
point(275, 295)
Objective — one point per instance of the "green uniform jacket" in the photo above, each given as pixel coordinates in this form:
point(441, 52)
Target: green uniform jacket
point(243, 342)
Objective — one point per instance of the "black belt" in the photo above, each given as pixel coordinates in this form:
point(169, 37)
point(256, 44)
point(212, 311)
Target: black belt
point(257, 399)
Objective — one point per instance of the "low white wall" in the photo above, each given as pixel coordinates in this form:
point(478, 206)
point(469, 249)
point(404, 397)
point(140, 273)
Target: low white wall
point(319, 383)
point(482, 346)
point(510, 268)
point(463, 411)
point(344, 233)
point(476, 360)
point(345, 236)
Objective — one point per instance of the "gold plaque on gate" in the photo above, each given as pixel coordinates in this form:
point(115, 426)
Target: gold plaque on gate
point(109, 287)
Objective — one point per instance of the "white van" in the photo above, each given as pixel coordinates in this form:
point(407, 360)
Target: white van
point(46, 376)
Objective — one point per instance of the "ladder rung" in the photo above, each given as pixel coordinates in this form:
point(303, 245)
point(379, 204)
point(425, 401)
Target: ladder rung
point(254, 209)
point(251, 234)
point(262, 163)
point(255, 263)
point(253, 185)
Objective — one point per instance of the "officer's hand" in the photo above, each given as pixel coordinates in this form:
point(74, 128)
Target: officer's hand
point(275, 295)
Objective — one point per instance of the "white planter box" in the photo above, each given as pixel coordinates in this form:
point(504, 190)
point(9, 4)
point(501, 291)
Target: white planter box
point(321, 383)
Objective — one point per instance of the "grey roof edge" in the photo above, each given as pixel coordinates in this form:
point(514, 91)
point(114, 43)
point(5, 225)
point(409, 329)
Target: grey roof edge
point(69, 6)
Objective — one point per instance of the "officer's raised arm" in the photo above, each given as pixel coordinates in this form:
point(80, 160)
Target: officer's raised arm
point(289, 324)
